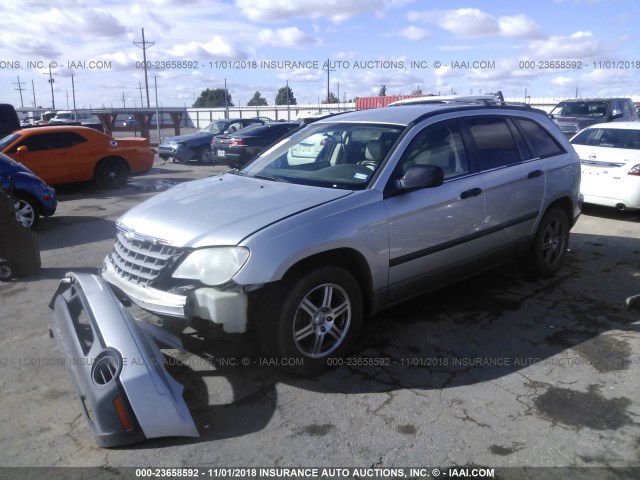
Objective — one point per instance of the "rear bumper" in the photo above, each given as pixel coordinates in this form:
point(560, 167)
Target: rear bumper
point(117, 366)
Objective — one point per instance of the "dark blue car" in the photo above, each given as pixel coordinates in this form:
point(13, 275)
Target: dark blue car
point(197, 146)
point(34, 198)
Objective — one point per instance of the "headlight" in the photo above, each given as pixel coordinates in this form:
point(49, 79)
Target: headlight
point(213, 266)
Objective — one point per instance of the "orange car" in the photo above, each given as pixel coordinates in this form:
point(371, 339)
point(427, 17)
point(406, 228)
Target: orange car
point(66, 154)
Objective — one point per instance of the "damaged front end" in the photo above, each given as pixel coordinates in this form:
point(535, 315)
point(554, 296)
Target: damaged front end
point(116, 365)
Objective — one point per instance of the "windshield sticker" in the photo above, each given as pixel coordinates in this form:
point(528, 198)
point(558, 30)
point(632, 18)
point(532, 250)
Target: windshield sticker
point(361, 176)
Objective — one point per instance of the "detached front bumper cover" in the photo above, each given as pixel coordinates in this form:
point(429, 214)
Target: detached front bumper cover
point(116, 365)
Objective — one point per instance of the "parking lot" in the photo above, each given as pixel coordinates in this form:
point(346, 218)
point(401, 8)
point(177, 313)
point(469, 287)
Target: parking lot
point(496, 371)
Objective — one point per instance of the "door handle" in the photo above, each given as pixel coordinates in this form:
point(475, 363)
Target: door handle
point(474, 192)
point(535, 174)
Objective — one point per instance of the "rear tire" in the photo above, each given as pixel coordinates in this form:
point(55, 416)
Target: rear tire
point(549, 249)
point(27, 211)
point(205, 155)
point(111, 173)
point(311, 318)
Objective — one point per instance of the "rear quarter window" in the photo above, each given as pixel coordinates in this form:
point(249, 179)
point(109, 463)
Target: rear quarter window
point(541, 141)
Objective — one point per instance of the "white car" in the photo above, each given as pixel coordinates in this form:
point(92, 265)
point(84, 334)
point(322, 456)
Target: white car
point(610, 160)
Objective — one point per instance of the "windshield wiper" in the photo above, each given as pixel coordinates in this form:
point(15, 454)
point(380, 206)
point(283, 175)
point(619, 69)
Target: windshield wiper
point(273, 178)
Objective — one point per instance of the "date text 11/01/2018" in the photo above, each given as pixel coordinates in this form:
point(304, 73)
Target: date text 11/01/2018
point(384, 65)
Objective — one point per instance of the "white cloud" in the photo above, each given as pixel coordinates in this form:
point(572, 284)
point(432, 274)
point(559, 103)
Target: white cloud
point(217, 47)
point(335, 10)
point(579, 45)
point(474, 23)
point(291, 37)
point(414, 33)
point(563, 81)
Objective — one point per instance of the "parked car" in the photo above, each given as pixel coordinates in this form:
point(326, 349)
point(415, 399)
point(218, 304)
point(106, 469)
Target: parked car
point(130, 122)
point(400, 201)
point(197, 146)
point(46, 117)
point(571, 116)
point(610, 158)
point(69, 116)
point(239, 148)
point(66, 154)
point(28, 122)
point(34, 198)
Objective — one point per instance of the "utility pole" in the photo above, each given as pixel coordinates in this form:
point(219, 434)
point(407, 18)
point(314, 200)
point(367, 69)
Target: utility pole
point(73, 90)
point(143, 45)
point(51, 80)
point(33, 89)
point(226, 105)
point(329, 70)
point(124, 105)
point(20, 89)
point(155, 82)
point(288, 107)
point(140, 88)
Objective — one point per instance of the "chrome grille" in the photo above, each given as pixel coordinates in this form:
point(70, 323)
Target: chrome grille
point(140, 260)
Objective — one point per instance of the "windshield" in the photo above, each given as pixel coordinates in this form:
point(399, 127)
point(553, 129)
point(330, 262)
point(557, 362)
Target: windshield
point(334, 155)
point(214, 127)
point(609, 137)
point(580, 109)
point(63, 116)
point(8, 140)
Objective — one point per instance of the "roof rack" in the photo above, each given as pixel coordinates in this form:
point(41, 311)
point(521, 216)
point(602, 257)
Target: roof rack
point(464, 101)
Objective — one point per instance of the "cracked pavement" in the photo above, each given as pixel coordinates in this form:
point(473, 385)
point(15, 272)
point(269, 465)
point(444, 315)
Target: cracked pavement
point(495, 371)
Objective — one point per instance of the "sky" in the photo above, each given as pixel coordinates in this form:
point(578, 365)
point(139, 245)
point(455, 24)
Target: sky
point(542, 48)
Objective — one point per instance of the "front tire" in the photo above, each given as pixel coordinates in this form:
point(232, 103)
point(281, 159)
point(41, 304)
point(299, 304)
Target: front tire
point(549, 249)
point(312, 317)
point(111, 173)
point(27, 212)
point(6, 271)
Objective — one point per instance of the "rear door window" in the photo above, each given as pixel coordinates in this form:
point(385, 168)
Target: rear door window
point(494, 144)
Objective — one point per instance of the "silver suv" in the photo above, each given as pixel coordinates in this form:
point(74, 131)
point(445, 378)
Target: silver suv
point(393, 203)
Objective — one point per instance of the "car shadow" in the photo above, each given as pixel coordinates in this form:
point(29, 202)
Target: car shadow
point(480, 330)
point(55, 232)
point(611, 213)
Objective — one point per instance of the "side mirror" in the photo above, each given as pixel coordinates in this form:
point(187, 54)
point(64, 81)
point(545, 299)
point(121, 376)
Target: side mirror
point(420, 176)
point(22, 149)
point(616, 114)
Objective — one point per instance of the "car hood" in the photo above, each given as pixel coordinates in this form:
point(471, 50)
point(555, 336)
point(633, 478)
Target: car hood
point(221, 210)
point(184, 138)
point(578, 119)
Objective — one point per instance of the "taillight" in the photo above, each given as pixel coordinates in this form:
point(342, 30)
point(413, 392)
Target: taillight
point(236, 142)
point(635, 170)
